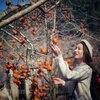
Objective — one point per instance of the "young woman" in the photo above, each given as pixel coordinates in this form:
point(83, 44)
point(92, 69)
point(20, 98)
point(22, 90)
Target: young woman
point(78, 79)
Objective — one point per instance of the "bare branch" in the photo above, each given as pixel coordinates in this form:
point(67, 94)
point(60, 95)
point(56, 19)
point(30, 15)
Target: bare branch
point(21, 13)
point(12, 8)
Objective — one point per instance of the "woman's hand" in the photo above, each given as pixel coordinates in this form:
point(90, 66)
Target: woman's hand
point(56, 50)
point(58, 81)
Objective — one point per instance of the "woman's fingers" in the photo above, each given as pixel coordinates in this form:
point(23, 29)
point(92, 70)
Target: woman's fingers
point(56, 50)
point(57, 81)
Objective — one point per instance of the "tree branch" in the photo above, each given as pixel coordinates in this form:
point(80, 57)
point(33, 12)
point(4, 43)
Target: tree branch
point(12, 8)
point(21, 13)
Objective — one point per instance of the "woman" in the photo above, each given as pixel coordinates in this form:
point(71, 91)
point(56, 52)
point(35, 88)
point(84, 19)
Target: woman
point(78, 79)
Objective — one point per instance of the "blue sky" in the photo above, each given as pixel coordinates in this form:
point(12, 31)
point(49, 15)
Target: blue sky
point(15, 2)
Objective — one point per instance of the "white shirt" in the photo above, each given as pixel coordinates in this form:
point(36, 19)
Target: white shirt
point(81, 74)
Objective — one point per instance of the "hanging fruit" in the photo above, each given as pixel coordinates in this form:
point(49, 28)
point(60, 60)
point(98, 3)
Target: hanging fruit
point(13, 40)
point(22, 19)
point(43, 50)
point(55, 40)
point(14, 32)
point(1, 44)
point(22, 40)
point(71, 67)
point(33, 18)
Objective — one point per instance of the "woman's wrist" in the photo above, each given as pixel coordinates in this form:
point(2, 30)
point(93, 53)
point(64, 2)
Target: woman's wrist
point(63, 82)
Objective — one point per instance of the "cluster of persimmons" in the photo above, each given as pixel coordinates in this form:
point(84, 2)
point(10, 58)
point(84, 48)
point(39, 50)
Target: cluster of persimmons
point(23, 71)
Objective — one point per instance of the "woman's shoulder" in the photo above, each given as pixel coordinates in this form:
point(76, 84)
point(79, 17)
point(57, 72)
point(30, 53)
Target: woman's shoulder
point(85, 66)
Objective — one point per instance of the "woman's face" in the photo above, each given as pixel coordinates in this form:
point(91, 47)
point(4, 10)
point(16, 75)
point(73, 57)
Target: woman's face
point(78, 52)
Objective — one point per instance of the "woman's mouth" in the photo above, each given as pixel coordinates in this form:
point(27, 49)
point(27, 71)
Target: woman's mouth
point(75, 54)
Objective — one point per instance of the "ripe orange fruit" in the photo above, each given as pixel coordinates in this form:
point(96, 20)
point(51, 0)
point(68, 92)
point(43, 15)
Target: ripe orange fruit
point(55, 40)
point(23, 67)
point(41, 95)
point(33, 32)
point(15, 81)
point(39, 63)
point(7, 70)
point(1, 48)
point(44, 94)
point(15, 71)
point(22, 57)
point(41, 74)
point(18, 76)
point(35, 83)
point(43, 50)
point(14, 32)
point(22, 40)
point(46, 63)
point(47, 85)
point(1, 44)
point(24, 74)
point(49, 68)
point(35, 79)
point(71, 67)
point(43, 88)
point(33, 18)
point(26, 78)
point(68, 60)
point(12, 57)
point(18, 82)
point(22, 19)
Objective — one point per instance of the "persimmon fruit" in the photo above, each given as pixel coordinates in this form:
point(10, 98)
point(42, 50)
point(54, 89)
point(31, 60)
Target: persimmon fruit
point(55, 40)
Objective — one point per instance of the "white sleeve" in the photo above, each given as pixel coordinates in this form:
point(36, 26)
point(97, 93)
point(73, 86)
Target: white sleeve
point(80, 74)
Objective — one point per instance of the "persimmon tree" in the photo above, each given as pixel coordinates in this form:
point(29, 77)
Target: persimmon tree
point(25, 45)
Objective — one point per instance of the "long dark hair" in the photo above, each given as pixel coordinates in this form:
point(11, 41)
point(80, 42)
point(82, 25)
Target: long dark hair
point(88, 60)
point(86, 56)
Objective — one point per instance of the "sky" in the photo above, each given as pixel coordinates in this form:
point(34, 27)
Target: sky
point(15, 2)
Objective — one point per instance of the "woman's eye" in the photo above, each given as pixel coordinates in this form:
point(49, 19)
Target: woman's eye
point(79, 48)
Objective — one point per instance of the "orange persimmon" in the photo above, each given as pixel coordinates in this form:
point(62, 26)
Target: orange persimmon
point(47, 85)
point(33, 32)
point(68, 60)
point(1, 48)
point(22, 40)
point(44, 94)
point(23, 67)
point(14, 32)
point(41, 95)
point(49, 68)
point(55, 40)
point(40, 63)
point(71, 67)
point(15, 71)
point(41, 74)
point(43, 50)
point(7, 70)
point(22, 19)
point(46, 63)
point(33, 18)
point(43, 88)
point(1, 44)
point(22, 57)
point(24, 74)
point(12, 57)
point(35, 79)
